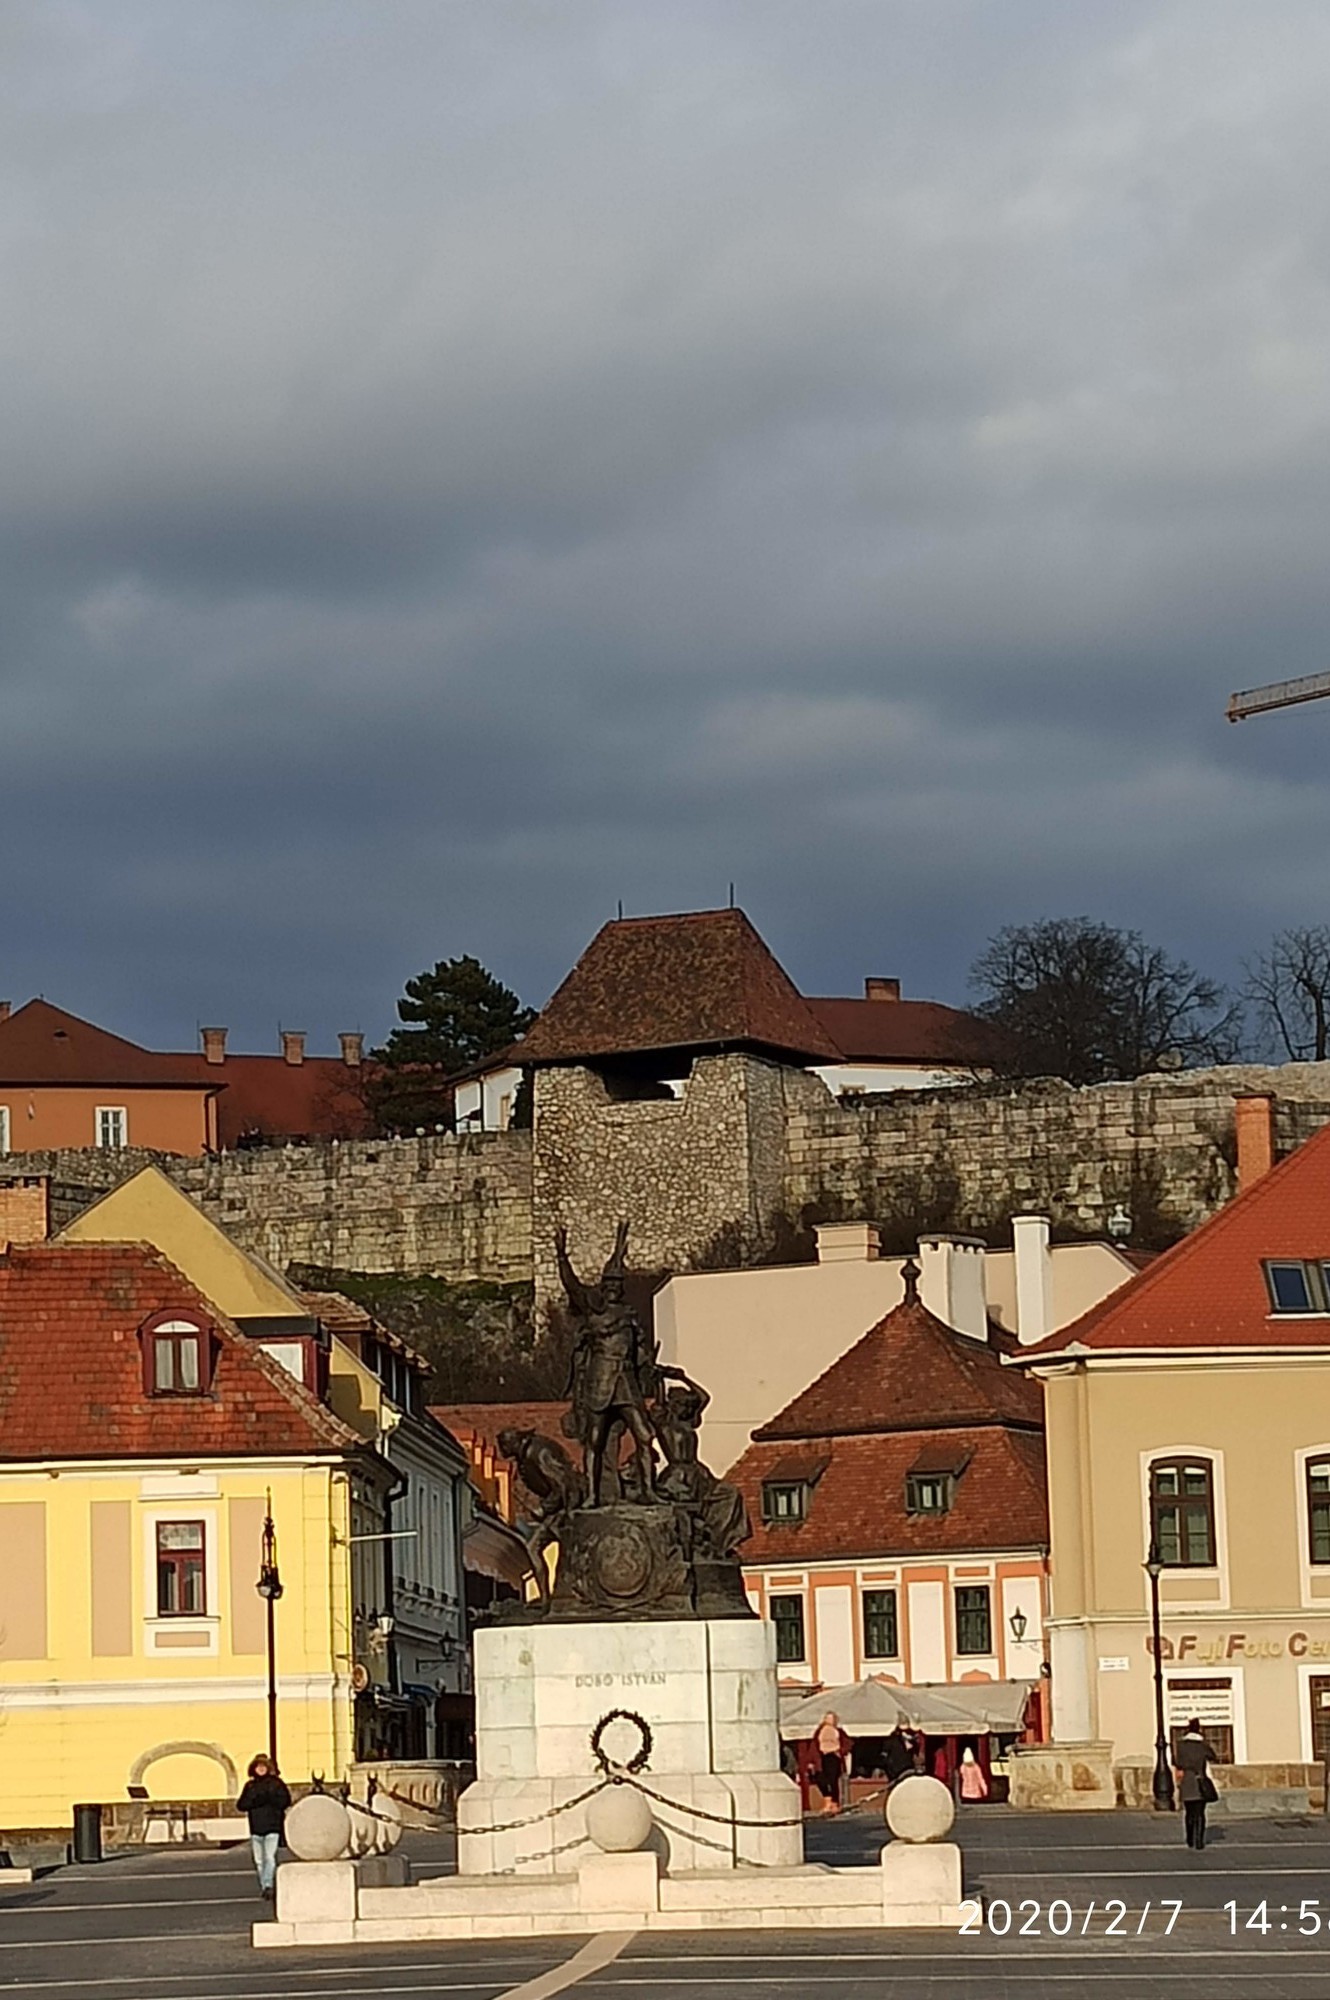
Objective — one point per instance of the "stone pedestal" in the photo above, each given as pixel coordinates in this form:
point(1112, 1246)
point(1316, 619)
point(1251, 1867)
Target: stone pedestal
point(707, 1690)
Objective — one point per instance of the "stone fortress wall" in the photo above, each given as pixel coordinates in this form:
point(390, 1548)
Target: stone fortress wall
point(702, 1178)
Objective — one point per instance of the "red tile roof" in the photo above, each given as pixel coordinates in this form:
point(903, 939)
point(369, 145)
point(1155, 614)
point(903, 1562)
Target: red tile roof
point(71, 1368)
point(703, 979)
point(857, 1508)
point(905, 1031)
point(343, 1316)
point(258, 1096)
point(485, 1420)
point(909, 1372)
point(1209, 1290)
point(268, 1097)
point(42, 1044)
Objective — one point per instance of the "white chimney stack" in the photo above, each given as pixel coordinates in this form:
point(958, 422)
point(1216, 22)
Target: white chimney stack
point(847, 1242)
point(951, 1282)
point(1034, 1278)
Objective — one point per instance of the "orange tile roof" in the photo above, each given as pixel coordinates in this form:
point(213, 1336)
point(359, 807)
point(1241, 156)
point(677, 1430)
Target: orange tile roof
point(857, 1508)
point(702, 979)
point(909, 1372)
point(1209, 1290)
point(71, 1370)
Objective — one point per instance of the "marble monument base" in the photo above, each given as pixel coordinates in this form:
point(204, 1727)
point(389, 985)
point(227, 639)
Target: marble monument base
point(706, 1690)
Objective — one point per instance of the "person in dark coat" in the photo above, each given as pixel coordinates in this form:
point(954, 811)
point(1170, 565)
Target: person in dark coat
point(898, 1755)
point(264, 1801)
point(1195, 1786)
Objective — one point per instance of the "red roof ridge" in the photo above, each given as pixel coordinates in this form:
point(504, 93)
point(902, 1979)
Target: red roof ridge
point(1126, 1298)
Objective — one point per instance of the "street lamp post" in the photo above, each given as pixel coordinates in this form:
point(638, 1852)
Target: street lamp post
point(269, 1587)
point(1162, 1787)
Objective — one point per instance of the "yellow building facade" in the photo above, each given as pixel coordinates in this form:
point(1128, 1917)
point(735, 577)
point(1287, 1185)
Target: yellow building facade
point(143, 1440)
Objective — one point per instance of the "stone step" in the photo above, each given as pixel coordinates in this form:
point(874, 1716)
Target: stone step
point(1263, 1802)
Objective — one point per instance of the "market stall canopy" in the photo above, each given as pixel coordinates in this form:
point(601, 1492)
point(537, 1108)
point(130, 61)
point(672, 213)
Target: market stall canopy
point(874, 1707)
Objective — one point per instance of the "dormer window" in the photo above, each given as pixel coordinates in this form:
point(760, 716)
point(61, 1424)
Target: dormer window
point(930, 1483)
point(176, 1357)
point(784, 1500)
point(1298, 1285)
point(929, 1493)
point(787, 1490)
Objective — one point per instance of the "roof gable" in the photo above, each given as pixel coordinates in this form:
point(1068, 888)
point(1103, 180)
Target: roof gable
point(910, 1372)
point(703, 979)
point(42, 1044)
point(71, 1374)
point(1209, 1290)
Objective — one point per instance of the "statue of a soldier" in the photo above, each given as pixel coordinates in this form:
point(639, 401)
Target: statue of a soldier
point(613, 1373)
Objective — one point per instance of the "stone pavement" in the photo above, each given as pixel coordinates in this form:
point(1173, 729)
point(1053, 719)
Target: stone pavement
point(174, 1926)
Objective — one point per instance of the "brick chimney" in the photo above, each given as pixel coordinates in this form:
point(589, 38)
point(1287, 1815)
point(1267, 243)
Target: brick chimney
point(353, 1050)
point(1254, 1130)
point(882, 989)
point(293, 1046)
point(214, 1044)
point(24, 1211)
point(4, 1010)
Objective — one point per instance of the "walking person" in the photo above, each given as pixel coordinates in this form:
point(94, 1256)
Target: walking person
point(1196, 1787)
point(974, 1785)
point(833, 1747)
point(264, 1802)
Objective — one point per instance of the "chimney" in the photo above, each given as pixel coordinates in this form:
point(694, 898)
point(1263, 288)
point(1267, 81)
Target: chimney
point(293, 1046)
point(951, 1282)
point(353, 1050)
point(1034, 1278)
point(24, 1211)
point(214, 1044)
point(4, 1010)
point(882, 989)
point(1254, 1129)
point(847, 1242)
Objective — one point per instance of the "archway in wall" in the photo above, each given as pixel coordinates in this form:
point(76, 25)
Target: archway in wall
point(195, 1784)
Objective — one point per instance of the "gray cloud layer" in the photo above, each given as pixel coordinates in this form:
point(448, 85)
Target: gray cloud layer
point(467, 463)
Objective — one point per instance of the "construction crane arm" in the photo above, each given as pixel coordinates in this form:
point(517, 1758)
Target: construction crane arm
point(1279, 694)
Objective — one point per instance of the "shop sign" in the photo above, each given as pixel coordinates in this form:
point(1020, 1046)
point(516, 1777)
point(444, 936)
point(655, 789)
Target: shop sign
point(1207, 1647)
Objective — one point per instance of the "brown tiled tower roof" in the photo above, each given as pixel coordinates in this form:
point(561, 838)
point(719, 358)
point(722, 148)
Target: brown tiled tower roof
point(697, 981)
point(909, 1372)
point(913, 1396)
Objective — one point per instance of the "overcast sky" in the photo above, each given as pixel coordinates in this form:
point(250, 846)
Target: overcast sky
point(468, 462)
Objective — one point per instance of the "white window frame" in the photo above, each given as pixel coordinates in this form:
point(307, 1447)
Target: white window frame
point(181, 1508)
point(4, 1128)
point(110, 1111)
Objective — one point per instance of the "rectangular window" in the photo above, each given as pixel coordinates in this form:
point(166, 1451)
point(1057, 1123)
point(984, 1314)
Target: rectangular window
point(1298, 1286)
point(1318, 1509)
point(784, 1500)
point(175, 1364)
point(974, 1618)
point(928, 1493)
point(1182, 1520)
point(4, 1128)
point(787, 1615)
point(181, 1573)
point(112, 1125)
point(880, 1625)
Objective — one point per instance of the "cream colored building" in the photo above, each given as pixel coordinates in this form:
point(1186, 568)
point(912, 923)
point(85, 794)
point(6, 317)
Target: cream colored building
point(757, 1337)
point(1191, 1411)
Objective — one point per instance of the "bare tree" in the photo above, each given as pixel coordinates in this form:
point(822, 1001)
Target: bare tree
point(1082, 1000)
point(1289, 988)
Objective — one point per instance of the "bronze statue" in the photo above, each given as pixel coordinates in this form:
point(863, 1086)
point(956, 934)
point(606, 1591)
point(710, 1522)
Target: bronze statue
point(545, 1469)
point(720, 1517)
point(612, 1373)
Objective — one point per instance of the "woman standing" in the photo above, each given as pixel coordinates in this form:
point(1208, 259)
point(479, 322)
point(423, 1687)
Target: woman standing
point(1195, 1785)
point(974, 1785)
point(264, 1802)
point(833, 1747)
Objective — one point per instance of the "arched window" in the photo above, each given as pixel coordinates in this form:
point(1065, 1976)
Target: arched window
point(1182, 1512)
point(1318, 1509)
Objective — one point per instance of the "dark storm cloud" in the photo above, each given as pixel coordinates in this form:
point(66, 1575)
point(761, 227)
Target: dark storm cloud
point(464, 465)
